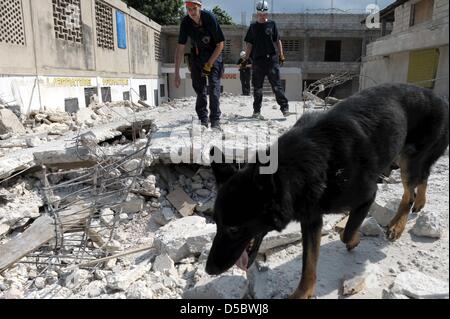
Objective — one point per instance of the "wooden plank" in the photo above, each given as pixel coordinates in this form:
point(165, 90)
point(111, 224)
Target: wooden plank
point(341, 225)
point(182, 202)
point(40, 233)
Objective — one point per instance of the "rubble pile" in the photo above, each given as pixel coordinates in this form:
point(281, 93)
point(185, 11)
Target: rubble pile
point(164, 229)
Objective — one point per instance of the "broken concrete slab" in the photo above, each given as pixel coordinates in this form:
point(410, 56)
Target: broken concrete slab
point(183, 237)
point(85, 116)
point(290, 234)
point(427, 225)
point(133, 204)
point(9, 123)
point(384, 214)
point(63, 150)
point(370, 227)
point(417, 285)
point(123, 280)
point(164, 264)
point(181, 201)
point(223, 287)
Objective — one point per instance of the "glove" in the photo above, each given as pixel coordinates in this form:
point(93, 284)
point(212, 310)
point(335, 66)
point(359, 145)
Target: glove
point(243, 64)
point(281, 60)
point(207, 69)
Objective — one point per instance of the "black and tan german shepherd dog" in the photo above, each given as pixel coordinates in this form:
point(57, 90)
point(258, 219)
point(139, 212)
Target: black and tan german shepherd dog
point(329, 162)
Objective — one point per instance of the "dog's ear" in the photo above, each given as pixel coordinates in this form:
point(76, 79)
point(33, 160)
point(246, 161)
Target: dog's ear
point(221, 170)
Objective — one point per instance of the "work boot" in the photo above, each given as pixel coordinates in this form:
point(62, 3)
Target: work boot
point(258, 116)
point(286, 112)
point(216, 125)
point(205, 124)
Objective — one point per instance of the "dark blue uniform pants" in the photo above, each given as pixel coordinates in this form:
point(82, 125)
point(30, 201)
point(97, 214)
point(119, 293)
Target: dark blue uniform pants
point(245, 76)
point(269, 67)
point(200, 87)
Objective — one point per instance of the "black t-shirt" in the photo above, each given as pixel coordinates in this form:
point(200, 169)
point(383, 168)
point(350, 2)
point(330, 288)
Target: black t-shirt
point(204, 37)
point(263, 37)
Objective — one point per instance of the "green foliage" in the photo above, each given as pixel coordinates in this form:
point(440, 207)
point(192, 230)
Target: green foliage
point(222, 16)
point(163, 12)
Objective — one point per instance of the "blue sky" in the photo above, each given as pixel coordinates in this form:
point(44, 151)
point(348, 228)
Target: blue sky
point(235, 7)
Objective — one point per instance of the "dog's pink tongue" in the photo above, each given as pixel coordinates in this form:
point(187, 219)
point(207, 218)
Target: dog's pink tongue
point(243, 261)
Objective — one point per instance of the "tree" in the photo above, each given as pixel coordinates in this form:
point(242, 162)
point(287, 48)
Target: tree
point(222, 16)
point(163, 12)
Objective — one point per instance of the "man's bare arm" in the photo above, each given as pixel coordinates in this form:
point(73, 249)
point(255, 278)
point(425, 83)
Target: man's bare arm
point(280, 48)
point(179, 53)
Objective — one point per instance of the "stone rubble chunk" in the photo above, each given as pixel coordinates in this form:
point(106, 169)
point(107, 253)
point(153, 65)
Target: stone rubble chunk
point(9, 123)
point(223, 287)
point(164, 264)
point(139, 290)
point(353, 285)
point(427, 225)
point(123, 280)
point(183, 237)
point(384, 214)
point(370, 227)
point(206, 207)
point(417, 285)
point(203, 192)
point(290, 234)
point(95, 288)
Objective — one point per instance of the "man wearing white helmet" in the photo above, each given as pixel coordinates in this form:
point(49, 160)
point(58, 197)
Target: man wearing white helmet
point(244, 73)
point(265, 48)
point(207, 41)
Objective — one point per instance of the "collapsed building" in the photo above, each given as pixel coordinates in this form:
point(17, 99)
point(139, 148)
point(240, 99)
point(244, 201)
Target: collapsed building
point(111, 196)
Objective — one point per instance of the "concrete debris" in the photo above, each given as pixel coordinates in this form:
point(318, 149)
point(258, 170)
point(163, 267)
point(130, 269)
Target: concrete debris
point(224, 287)
point(183, 237)
point(370, 227)
point(182, 202)
point(205, 208)
point(290, 234)
point(133, 204)
point(9, 123)
point(417, 285)
point(76, 278)
point(95, 288)
point(164, 264)
point(384, 214)
point(14, 292)
point(428, 224)
point(353, 285)
point(139, 290)
point(123, 280)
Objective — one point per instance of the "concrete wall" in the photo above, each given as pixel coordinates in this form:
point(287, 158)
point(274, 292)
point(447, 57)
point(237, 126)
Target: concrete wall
point(28, 71)
point(387, 58)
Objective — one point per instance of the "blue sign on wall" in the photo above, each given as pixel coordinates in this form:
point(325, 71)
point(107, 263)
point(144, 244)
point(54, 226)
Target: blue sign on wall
point(121, 30)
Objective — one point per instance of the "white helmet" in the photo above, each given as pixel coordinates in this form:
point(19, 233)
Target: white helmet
point(242, 54)
point(262, 6)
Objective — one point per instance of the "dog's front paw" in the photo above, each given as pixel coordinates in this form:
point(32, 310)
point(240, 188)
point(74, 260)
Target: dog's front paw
point(353, 242)
point(395, 230)
point(301, 295)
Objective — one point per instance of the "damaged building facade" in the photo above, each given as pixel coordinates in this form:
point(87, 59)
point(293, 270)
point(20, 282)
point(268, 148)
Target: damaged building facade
point(59, 54)
point(416, 51)
point(316, 45)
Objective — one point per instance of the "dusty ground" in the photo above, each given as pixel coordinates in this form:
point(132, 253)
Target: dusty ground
point(277, 272)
